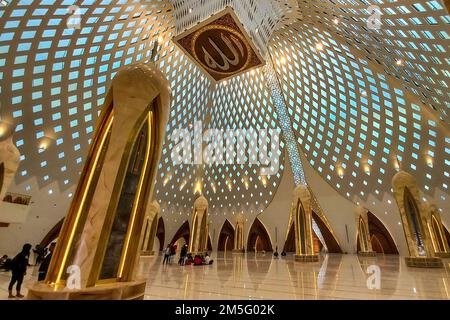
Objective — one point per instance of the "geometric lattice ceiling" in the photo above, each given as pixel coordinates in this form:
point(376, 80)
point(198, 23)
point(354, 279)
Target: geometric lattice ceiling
point(358, 99)
point(416, 33)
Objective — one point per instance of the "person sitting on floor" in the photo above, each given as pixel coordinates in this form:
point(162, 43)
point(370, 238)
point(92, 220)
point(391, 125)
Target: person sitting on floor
point(5, 263)
point(208, 260)
point(198, 261)
point(189, 260)
point(3, 259)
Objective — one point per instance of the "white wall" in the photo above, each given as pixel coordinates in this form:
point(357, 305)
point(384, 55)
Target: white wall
point(276, 216)
point(46, 211)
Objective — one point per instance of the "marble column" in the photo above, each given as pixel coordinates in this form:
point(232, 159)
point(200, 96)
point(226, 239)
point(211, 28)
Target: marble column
point(98, 248)
point(414, 219)
point(301, 212)
point(9, 164)
point(150, 228)
point(198, 243)
point(239, 246)
point(362, 227)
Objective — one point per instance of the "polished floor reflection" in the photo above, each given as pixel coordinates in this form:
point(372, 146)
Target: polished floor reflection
point(262, 277)
point(250, 276)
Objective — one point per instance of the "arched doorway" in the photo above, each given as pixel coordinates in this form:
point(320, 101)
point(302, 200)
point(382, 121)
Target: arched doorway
point(413, 216)
point(447, 234)
point(226, 237)
point(382, 241)
point(330, 241)
point(376, 244)
point(289, 245)
point(184, 232)
point(161, 233)
point(437, 235)
point(258, 238)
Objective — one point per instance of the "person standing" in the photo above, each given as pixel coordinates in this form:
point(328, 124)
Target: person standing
point(183, 255)
point(208, 260)
point(38, 254)
point(19, 269)
point(167, 254)
point(46, 263)
point(173, 253)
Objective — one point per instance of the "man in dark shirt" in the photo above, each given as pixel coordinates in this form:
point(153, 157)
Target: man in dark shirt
point(46, 263)
point(38, 251)
point(19, 269)
point(183, 254)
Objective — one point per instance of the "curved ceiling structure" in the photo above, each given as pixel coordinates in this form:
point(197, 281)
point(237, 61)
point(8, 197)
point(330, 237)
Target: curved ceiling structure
point(360, 101)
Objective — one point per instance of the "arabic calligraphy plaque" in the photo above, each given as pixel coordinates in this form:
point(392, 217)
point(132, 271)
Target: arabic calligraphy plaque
point(221, 46)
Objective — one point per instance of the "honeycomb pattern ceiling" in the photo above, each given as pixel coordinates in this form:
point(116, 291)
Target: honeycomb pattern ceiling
point(356, 113)
point(411, 44)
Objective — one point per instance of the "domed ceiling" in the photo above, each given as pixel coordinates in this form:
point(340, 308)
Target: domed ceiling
point(359, 100)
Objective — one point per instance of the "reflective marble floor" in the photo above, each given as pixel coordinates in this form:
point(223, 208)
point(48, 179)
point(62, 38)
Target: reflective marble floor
point(236, 276)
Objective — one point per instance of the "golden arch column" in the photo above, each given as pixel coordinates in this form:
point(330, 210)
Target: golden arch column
point(301, 213)
point(437, 232)
point(198, 243)
point(9, 164)
point(414, 220)
point(239, 246)
point(150, 228)
point(98, 248)
point(362, 225)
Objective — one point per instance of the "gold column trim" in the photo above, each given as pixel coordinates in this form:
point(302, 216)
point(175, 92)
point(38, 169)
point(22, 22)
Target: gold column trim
point(71, 223)
point(193, 235)
point(137, 199)
point(110, 215)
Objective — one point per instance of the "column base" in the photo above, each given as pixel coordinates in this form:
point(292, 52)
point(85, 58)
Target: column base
point(422, 262)
point(238, 251)
point(443, 255)
point(306, 258)
point(112, 291)
point(367, 254)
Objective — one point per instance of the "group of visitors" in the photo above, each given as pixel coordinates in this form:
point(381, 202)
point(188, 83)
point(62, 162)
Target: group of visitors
point(186, 259)
point(198, 260)
point(19, 264)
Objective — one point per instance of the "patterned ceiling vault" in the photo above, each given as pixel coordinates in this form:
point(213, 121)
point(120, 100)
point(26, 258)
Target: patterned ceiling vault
point(411, 44)
point(360, 102)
